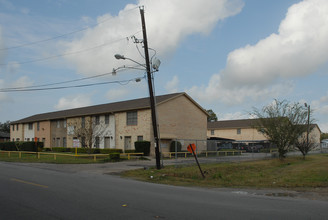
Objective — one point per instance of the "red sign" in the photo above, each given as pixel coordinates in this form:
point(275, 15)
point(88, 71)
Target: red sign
point(191, 148)
point(35, 139)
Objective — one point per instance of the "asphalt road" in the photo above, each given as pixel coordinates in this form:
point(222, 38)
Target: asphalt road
point(59, 192)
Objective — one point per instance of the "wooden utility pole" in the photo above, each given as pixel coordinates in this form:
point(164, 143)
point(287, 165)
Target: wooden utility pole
point(151, 92)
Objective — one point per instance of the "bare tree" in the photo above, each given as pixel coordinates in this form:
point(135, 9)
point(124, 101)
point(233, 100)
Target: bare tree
point(283, 123)
point(305, 144)
point(88, 130)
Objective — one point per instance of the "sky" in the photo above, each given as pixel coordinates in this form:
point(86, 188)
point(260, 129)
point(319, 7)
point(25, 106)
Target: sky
point(230, 56)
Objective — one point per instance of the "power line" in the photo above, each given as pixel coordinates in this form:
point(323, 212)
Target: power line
point(122, 82)
point(57, 83)
point(69, 81)
point(67, 54)
point(60, 36)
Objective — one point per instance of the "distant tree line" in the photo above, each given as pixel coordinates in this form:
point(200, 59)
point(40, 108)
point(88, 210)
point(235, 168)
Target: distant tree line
point(5, 127)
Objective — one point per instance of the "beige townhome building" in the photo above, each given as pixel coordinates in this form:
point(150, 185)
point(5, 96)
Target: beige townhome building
point(116, 125)
point(244, 130)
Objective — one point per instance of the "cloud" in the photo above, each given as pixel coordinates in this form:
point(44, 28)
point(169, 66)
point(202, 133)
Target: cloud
point(233, 116)
point(267, 68)
point(22, 82)
point(172, 86)
point(2, 45)
point(76, 101)
point(116, 94)
point(3, 96)
point(168, 23)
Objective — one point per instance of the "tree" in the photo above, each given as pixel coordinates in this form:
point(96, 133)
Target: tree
point(5, 127)
point(323, 136)
point(212, 116)
point(88, 131)
point(304, 145)
point(283, 123)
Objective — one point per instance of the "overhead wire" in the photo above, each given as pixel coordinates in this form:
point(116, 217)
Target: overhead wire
point(68, 81)
point(62, 35)
point(121, 82)
point(67, 54)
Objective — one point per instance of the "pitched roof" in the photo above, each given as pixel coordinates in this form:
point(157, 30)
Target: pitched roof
point(135, 104)
point(240, 123)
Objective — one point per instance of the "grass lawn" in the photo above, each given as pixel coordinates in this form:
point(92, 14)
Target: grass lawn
point(50, 158)
point(291, 173)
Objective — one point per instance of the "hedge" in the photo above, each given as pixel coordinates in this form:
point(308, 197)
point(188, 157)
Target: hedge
point(22, 146)
point(172, 146)
point(142, 147)
point(84, 150)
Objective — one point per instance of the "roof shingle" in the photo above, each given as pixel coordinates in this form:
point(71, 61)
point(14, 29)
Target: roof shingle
point(142, 103)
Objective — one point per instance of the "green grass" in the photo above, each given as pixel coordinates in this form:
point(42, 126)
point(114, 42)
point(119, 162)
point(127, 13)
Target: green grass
point(293, 173)
point(64, 158)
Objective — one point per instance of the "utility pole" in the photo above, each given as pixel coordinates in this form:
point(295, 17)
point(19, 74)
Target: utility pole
point(151, 92)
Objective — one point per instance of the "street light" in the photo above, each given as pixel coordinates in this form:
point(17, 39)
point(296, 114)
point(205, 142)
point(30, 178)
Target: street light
point(308, 123)
point(122, 57)
point(147, 67)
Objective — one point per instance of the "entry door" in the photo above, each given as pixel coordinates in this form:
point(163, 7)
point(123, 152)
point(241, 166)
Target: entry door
point(127, 143)
point(107, 142)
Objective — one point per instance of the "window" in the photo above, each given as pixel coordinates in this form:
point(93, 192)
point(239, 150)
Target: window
point(65, 123)
point(132, 118)
point(17, 139)
point(140, 138)
point(58, 124)
point(83, 122)
point(238, 130)
point(212, 132)
point(38, 126)
point(17, 127)
point(97, 142)
point(106, 119)
point(30, 126)
point(13, 127)
point(64, 141)
point(43, 140)
point(97, 120)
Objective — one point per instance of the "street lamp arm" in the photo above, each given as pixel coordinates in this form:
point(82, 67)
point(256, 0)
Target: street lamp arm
point(121, 57)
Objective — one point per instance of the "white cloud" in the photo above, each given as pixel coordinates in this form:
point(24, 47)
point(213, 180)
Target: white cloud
point(117, 94)
point(22, 82)
point(324, 127)
point(172, 86)
point(256, 71)
point(232, 116)
point(168, 23)
point(3, 96)
point(2, 45)
point(76, 101)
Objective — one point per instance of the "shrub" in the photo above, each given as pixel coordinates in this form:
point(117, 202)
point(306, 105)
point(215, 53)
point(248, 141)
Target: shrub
point(8, 146)
point(108, 151)
point(22, 146)
point(129, 151)
point(142, 147)
point(172, 146)
point(61, 149)
point(114, 156)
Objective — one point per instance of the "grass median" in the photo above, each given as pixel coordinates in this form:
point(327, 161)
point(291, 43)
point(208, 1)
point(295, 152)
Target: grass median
point(290, 173)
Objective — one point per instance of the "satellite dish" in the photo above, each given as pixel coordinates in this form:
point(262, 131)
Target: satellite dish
point(156, 64)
